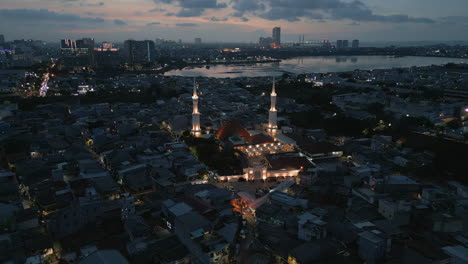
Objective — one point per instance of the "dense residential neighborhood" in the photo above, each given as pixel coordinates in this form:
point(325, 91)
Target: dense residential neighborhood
point(130, 165)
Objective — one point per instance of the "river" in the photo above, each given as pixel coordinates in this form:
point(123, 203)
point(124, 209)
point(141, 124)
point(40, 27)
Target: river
point(320, 64)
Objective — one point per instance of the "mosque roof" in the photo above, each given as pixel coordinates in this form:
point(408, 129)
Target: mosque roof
point(232, 128)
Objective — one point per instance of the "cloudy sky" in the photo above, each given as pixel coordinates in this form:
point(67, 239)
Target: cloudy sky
point(235, 20)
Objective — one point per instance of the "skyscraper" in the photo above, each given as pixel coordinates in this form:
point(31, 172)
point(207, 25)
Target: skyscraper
point(196, 130)
point(198, 41)
point(2, 39)
point(139, 51)
point(276, 35)
point(355, 44)
point(106, 56)
point(273, 113)
point(77, 53)
point(107, 45)
point(339, 44)
point(345, 44)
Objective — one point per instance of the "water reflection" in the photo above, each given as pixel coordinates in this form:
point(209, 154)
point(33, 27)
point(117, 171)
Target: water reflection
point(311, 64)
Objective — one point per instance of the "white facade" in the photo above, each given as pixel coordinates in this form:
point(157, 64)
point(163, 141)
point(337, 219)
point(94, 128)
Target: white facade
point(273, 113)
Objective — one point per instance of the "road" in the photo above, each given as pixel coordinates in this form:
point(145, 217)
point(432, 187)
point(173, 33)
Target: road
point(44, 84)
point(244, 252)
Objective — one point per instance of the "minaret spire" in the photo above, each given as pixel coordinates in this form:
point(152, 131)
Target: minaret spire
point(194, 88)
point(273, 91)
point(272, 114)
point(196, 131)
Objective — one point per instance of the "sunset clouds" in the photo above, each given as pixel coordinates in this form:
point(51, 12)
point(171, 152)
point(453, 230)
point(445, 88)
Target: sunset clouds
point(245, 20)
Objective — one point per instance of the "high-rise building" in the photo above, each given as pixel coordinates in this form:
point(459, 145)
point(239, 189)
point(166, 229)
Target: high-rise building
point(276, 35)
point(198, 41)
point(326, 44)
point(342, 44)
point(107, 46)
point(85, 43)
point(345, 44)
point(273, 113)
point(265, 42)
point(139, 51)
point(355, 44)
point(339, 44)
point(77, 53)
point(106, 56)
point(2, 39)
point(196, 130)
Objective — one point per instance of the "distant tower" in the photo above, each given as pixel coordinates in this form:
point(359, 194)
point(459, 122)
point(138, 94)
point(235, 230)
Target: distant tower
point(273, 113)
point(276, 36)
point(355, 44)
point(196, 131)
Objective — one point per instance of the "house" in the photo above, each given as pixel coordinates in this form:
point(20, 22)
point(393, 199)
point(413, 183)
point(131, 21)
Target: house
point(458, 254)
point(366, 194)
point(288, 200)
point(275, 214)
point(460, 189)
point(372, 246)
point(311, 227)
point(91, 169)
point(168, 250)
point(317, 251)
point(108, 256)
point(171, 210)
point(191, 225)
point(394, 184)
point(397, 212)
point(137, 179)
point(446, 223)
point(461, 210)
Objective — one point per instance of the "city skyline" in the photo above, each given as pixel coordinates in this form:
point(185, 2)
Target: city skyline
point(234, 20)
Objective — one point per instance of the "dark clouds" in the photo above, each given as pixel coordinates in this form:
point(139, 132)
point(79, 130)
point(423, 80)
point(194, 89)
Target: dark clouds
point(295, 10)
point(357, 11)
point(186, 25)
point(216, 19)
point(82, 3)
point(157, 10)
point(43, 15)
point(192, 8)
point(91, 4)
point(243, 6)
point(119, 22)
point(290, 10)
point(153, 23)
point(187, 12)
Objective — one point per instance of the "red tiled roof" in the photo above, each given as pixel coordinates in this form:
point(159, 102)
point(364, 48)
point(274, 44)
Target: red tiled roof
point(231, 128)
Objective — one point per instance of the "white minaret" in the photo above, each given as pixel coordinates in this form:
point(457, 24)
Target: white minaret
point(273, 113)
point(196, 131)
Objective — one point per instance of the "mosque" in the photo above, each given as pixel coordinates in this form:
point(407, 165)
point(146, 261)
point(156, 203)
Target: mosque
point(268, 153)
